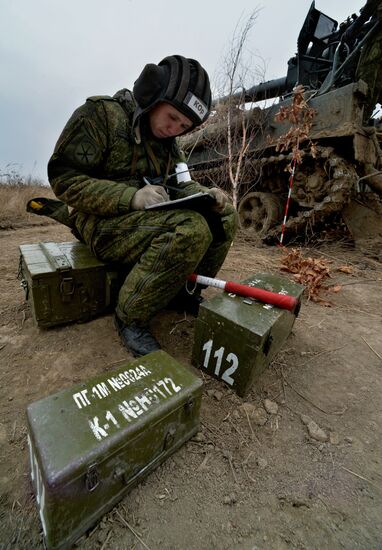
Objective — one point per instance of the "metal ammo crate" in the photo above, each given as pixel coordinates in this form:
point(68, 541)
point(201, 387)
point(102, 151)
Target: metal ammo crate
point(93, 442)
point(236, 338)
point(64, 282)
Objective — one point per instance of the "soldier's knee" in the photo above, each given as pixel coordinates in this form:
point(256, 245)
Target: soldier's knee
point(230, 222)
point(200, 236)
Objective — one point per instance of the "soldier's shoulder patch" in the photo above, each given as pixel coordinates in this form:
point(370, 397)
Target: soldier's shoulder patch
point(86, 152)
point(95, 98)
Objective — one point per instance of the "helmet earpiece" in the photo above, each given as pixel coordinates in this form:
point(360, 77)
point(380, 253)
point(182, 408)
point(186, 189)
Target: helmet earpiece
point(149, 85)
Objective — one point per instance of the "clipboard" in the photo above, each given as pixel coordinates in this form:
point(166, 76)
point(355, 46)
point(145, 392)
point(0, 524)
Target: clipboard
point(197, 201)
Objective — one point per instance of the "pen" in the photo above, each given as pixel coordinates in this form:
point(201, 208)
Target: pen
point(173, 188)
point(148, 182)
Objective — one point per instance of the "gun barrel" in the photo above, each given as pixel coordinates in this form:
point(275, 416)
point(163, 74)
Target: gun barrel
point(264, 90)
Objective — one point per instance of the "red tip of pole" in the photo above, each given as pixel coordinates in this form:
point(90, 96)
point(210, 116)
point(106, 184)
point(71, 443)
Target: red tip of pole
point(284, 301)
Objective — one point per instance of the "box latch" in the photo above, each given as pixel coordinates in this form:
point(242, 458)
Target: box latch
point(189, 405)
point(92, 478)
point(67, 288)
point(21, 278)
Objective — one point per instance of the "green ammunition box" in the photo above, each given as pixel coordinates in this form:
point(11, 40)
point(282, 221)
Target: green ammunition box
point(64, 282)
point(89, 445)
point(236, 338)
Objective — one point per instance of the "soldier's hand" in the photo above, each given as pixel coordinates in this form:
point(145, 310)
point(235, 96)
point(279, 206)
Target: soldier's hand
point(147, 196)
point(220, 198)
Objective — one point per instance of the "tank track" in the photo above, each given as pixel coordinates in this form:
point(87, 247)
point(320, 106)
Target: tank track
point(321, 187)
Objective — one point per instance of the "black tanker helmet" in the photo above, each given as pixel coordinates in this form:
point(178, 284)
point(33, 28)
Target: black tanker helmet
point(176, 80)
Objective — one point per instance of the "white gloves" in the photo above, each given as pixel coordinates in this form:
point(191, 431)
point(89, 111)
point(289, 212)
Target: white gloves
point(147, 196)
point(155, 194)
point(220, 198)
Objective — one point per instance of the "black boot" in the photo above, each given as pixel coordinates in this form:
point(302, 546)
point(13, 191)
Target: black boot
point(185, 302)
point(138, 340)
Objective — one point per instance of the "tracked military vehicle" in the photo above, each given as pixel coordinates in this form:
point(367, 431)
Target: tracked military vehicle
point(348, 154)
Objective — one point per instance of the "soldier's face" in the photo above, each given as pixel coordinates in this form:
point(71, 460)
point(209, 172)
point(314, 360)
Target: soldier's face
point(166, 121)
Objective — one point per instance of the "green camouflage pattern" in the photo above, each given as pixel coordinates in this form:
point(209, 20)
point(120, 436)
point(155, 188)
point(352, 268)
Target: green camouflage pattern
point(369, 67)
point(370, 71)
point(162, 248)
point(97, 166)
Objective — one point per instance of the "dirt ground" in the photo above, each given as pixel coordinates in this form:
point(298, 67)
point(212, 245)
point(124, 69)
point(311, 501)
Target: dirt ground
point(256, 481)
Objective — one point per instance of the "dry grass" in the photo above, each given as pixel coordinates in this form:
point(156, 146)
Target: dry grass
point(15, 192)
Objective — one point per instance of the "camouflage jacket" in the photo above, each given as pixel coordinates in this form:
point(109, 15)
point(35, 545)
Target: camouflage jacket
point(98, 164)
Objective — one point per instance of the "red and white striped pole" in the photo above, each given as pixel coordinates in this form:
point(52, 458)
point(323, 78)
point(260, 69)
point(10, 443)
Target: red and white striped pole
point(279, 300)
point(291, 179)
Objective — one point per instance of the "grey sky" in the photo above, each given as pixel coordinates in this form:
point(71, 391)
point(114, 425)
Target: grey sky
point(55, 53)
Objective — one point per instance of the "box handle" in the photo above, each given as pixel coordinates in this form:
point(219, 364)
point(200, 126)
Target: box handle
point(121, 473)
point(92, 478)
point(267, 344)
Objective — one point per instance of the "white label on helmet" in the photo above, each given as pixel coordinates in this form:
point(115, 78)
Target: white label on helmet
point(196, 104)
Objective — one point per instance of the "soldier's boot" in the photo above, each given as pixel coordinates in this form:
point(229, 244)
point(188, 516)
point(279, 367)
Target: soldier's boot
point(138, 340)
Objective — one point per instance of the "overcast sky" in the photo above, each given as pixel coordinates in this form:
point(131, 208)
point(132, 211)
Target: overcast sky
point(55, 53)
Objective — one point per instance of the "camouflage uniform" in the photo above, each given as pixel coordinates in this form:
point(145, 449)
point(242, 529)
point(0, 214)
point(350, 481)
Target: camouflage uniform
point(96, 168)
point(369, 67)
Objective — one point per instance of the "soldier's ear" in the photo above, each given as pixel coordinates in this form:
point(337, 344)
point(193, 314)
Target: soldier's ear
point(149, 85)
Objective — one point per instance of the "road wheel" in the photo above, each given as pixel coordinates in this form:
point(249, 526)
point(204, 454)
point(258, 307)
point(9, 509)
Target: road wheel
point(259, 212)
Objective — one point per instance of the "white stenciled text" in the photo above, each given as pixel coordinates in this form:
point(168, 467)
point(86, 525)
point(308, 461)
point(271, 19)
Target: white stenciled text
point(218, 362)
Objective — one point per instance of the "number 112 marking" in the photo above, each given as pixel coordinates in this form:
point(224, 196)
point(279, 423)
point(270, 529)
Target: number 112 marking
point(218, 355)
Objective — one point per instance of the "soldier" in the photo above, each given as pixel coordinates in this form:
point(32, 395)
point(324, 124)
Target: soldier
point(369, 68)
point(101, 167)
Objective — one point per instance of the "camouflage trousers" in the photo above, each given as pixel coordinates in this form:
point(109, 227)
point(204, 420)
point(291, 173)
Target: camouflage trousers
point(159, 248)
point(369, 69)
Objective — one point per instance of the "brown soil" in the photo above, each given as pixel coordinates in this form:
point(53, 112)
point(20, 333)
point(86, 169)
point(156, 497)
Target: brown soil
point(237, 484)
